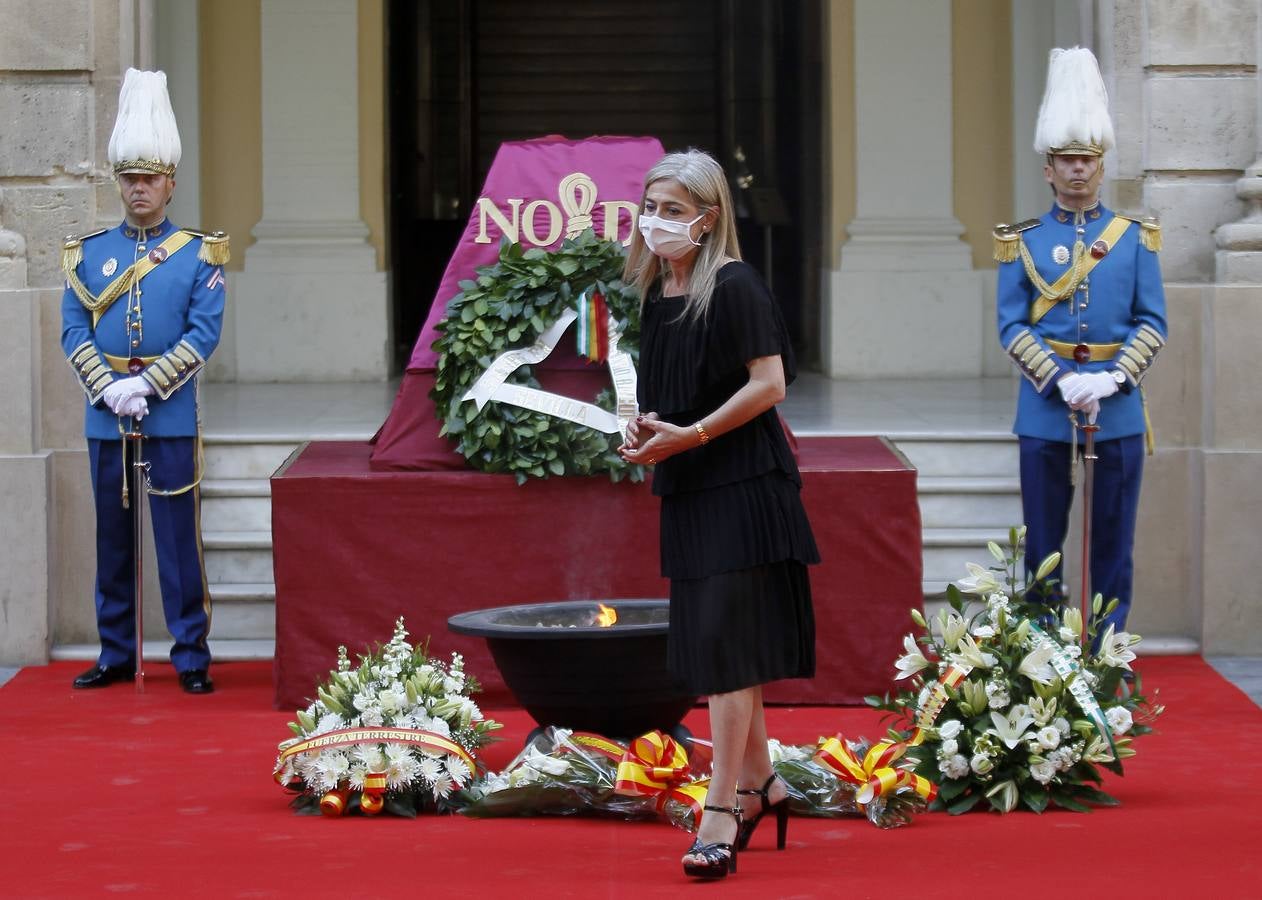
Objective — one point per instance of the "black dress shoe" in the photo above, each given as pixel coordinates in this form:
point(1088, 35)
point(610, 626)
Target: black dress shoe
point(104, 676)
point(196, 681)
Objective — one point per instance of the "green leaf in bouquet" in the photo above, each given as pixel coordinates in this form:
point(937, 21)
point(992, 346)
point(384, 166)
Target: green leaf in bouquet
point(404, 805)
point(964, 804)
point(949, 789)
point(1090, 794)
point(1065, 800)
point(1035, 796)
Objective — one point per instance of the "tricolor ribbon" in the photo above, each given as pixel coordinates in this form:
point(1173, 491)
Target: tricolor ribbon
point(1071, 674)
point(875, 775)
point(592, 336)
point(611, 750)
point(654, 765)
point(349, 737)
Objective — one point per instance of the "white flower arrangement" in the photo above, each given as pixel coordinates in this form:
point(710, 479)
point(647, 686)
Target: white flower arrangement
point(397, 733)
point(1009, 704)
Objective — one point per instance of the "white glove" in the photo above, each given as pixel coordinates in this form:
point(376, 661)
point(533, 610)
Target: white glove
point(136, 407)
point(1100, 384)
point(1074, 389)
point(125, 389)
point(1092, 409)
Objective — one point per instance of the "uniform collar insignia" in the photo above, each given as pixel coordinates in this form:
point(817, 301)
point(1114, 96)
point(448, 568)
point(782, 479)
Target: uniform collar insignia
point(159, 230)
point(1065, 215)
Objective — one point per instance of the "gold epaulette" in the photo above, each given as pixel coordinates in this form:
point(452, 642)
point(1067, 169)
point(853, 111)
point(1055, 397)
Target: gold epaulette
point(1008, 239)
point(214, 250)
point(1149, 230)
point(72, 249)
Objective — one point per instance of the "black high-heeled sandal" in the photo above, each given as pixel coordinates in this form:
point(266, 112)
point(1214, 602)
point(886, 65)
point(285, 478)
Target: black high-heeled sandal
point(719, 856)
point(781, 809)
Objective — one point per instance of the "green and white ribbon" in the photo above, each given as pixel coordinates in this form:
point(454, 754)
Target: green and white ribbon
point(1071, 674)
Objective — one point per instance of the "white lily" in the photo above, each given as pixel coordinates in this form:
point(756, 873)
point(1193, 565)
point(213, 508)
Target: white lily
point(980, 581)
point(1010, 728)
point(1115, 648)
point(1037, 665)
point(969, 653)
point(951, 627)
point(912, 661)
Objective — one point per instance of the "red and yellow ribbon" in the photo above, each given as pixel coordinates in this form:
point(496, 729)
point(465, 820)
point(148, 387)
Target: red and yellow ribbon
point(654, 765)
point(349, 737)
point(611, 750)
point(875, 775)
point(373, 799)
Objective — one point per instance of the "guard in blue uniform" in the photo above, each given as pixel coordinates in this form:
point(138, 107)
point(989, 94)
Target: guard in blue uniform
point(141, 314)
point(1081, 311)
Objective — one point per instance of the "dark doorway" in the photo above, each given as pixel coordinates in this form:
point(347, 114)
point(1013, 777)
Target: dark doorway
point(741, 79)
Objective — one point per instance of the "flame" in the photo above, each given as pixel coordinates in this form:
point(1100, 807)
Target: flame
point(607, 616)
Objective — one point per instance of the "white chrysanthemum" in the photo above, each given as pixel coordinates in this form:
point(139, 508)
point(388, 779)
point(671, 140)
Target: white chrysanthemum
point(1119, 719)
point(369, 756)
point(950, 728)
point(950, 747)
point(452, 685)
point(430, 769)
point(998, 700)
point(1063, 758)
point(443, 787)
point(1049, 737)
point(468, 707)
point(331, 768)
point(1061, 724)
point(458, 769)
point(396, 752)
point(401, 772)
point(364, 699)
point(439, 726)
point(355, 777)
point(372, 717)
point(329, 722)
point(1043, 772)
point(954, 766)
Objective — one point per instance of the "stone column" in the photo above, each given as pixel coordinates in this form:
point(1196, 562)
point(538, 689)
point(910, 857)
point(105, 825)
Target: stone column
point(310, 304)
point(1239, 256)
point(905, 301)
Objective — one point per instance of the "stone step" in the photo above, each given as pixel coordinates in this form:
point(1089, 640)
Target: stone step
point(243, 504)
point(238, 557)
point(948, 501)
point(159, 651)
point(244, 610)
point(228, 459)
point(983, 456)
point(946, 550)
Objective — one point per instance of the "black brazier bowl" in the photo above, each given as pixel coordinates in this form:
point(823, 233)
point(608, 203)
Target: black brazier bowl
point(566, 670)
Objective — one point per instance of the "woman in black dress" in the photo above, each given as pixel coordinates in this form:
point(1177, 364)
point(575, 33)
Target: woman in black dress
point(735, 541)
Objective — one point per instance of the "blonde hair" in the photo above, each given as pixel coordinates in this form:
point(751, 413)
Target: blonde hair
point(702, 177)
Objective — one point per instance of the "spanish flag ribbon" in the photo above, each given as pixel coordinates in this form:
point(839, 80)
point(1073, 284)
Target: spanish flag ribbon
point(349, 737)
point(373, 799)
point(875, 775)
point(611, 750)
point(593, 326)
point(938, 696)
point(654, 765)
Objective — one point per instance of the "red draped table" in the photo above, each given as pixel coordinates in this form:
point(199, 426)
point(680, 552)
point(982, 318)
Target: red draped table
point(354, 549)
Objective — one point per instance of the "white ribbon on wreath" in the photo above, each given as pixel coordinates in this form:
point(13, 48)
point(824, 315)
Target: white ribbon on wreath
point(490, 385)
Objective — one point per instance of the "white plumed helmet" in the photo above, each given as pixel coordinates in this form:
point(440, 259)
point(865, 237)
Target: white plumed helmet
point(1074, 116)
point(145, 137)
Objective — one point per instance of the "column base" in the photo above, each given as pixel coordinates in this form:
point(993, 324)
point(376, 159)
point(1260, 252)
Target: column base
point(904, 324)
point(310, 307)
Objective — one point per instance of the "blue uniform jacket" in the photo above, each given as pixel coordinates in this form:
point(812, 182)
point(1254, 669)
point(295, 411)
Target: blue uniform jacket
point(171, 320)
point(1119, 302)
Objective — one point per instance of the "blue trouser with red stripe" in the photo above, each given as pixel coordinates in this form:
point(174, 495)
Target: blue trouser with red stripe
point(177, 540)
point(1046, 497)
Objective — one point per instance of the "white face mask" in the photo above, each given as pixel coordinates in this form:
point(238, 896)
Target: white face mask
point(668, 238)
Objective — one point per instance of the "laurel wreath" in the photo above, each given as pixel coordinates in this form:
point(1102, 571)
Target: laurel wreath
point(508, 306)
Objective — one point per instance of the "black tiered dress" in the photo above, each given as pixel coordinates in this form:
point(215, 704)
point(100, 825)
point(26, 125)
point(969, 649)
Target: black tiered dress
point(735, 541)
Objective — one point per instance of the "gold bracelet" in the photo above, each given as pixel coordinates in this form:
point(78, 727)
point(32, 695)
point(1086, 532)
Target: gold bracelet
point(705, 438)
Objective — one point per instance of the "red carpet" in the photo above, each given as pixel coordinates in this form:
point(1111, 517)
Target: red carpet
point(110, 793)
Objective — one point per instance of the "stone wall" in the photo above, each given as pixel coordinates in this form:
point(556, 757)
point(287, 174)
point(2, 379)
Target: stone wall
point(1182, 76)
point(61, 63)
